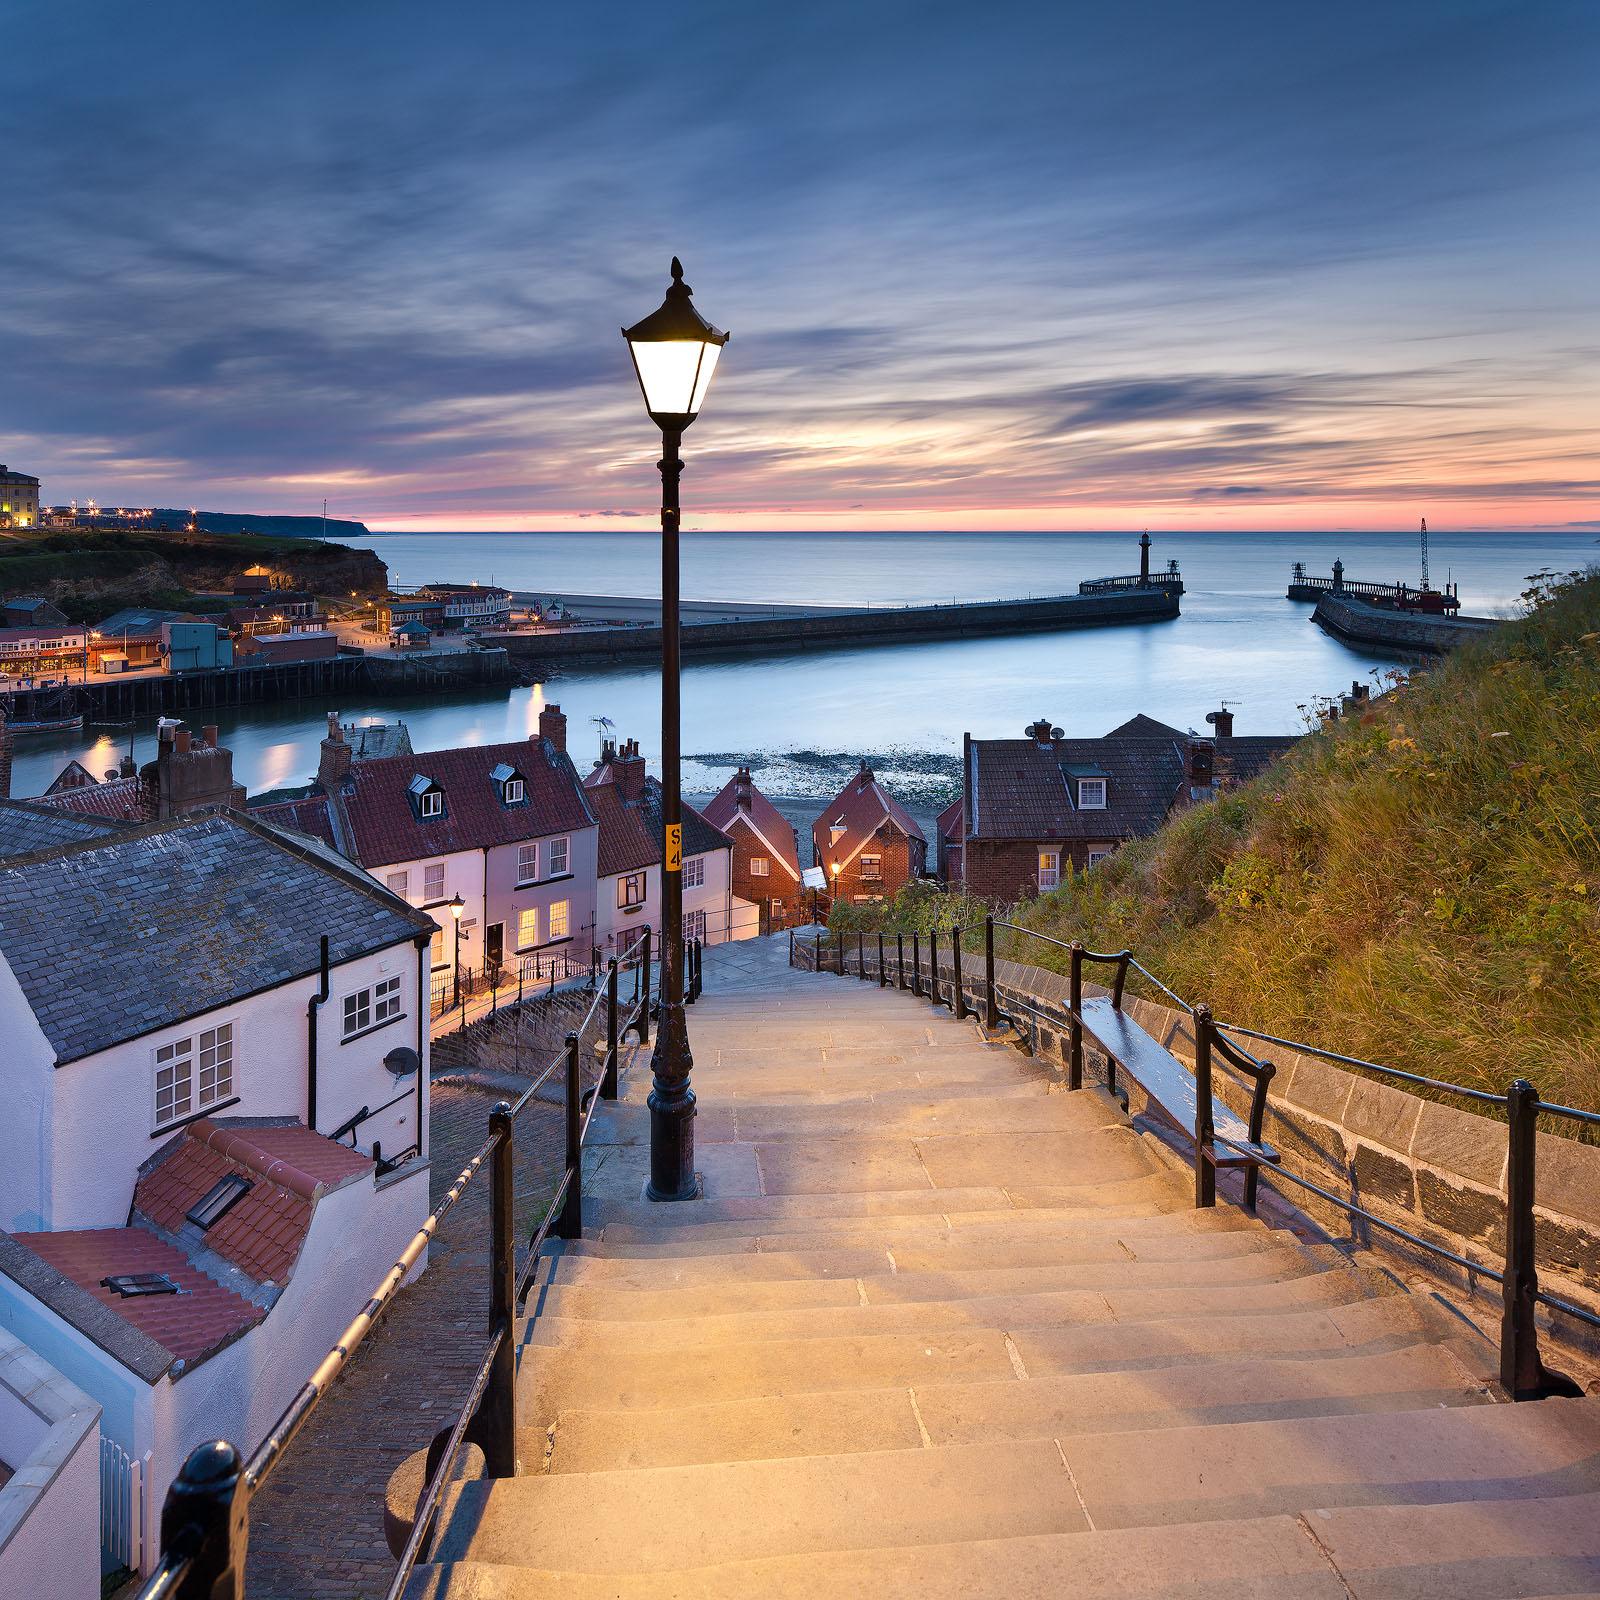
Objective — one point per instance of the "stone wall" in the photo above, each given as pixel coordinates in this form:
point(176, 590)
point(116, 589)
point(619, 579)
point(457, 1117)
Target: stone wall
point(1427, 1166)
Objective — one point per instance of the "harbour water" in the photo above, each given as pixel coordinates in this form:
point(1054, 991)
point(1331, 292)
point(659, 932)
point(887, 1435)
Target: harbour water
point(1238, 640)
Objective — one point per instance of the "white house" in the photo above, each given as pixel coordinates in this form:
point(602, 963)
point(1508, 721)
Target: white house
point(627, 806)
point(197, 1013)
point(506, 827)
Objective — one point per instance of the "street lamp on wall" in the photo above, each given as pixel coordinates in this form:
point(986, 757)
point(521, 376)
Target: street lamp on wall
point(675, 352)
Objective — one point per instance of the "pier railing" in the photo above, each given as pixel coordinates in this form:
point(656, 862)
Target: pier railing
point(205, 1521)
point(898, 960)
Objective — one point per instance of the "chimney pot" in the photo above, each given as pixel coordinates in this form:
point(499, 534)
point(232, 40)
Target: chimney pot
point(209, 734)
point(181, 741)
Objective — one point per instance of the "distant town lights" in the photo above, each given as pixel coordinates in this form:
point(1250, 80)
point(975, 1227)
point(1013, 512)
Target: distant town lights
point(675, 352)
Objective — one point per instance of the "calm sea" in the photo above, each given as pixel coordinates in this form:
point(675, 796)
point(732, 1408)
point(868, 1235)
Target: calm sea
point(1238, 640)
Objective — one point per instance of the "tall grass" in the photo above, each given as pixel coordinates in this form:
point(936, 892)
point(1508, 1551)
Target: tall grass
point(1419, 885)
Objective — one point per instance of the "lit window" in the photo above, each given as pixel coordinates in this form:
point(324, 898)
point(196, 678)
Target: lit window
point(399, 883)
point(631, 890)
point(178, 1092)
point(694, 872)
point(558, 857)
point(758, 866)
point(436, 950)
point(1049, 869)
point(433, 882)
point(527, 863)
point(560, 919)
point(528, 928)
point(1091, 794)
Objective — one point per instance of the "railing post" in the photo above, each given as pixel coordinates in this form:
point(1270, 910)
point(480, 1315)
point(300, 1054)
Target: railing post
point(1075, 1030)
point(1523, 1375)
point(916, 965)
point(861, 956)
point(1205, 1172)
point(206, 1520)
point(958, 998)
point(900, 960)
point(933, 966)
point(991, 1008)
point(494, 1428)
point(608, 1084)
point(883, 971)
point(839, 953)
point(644, 1008)
point(571, 1223)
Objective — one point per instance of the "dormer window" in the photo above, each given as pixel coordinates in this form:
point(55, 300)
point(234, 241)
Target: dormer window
point(426, 796)
point(1091, 794)
point(513, 790)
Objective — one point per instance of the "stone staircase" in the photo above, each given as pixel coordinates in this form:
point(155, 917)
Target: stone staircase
point(939, 1329)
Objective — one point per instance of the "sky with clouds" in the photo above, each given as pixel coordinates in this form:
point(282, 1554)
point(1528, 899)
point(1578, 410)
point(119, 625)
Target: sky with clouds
point(1065, 264)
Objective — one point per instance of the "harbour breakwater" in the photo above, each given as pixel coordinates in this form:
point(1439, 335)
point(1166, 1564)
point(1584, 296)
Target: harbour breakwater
point(1410, 634)
point(799, 629)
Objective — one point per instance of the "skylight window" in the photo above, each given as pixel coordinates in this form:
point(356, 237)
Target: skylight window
point(218, 1200)
point(130, 1285)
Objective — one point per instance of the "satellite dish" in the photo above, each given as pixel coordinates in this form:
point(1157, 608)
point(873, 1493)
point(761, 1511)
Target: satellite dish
point(1058, 733)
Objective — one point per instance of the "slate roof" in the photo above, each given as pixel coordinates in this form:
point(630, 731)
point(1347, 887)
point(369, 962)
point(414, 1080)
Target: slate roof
point(863, 806)
point(763, 818)
point(26, 826)
point(384, 827)
point(1021, 789)
point(112, 938)
point(140, 622)
point(1143, 727)
point(632, 834)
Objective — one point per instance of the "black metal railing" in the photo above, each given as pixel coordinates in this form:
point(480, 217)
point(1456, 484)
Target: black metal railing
point(1523, 1374)
point(205, 1520)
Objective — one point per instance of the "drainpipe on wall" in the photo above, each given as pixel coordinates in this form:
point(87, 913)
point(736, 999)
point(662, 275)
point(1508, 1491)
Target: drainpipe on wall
point(424, 1007)
point(313, 1006)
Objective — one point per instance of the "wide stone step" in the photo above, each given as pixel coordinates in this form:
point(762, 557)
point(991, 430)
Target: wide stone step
point(1261, 1560)
point(1117, 1272)
point(1527, 1452)
point(552, 1379)
point(972, 1413)
point(931, 1117)
point(1472, 1550)
point(1271, 1559)
point(665, 1518)
point(1038, 1309)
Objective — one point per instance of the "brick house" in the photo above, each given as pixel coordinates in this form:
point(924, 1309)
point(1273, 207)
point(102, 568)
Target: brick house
point(866, 842)
point(766, 853)
point(627, 805)
point(1032, 809)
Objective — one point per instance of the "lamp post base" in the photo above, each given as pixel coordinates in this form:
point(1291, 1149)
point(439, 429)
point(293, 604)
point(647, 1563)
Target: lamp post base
point(672, 1110)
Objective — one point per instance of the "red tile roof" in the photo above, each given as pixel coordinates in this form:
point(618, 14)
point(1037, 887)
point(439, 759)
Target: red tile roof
point(122, 799)
point(759, 815)
point(950, 824)
point(631, 832)
point(863, 806)
point(198, 1320)
point(385, 827)
point(307, 814)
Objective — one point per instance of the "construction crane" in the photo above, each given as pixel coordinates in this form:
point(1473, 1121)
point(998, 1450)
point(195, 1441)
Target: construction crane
point(1424, 552)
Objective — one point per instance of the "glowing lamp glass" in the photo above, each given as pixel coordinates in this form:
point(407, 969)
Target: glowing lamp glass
point(674, 374)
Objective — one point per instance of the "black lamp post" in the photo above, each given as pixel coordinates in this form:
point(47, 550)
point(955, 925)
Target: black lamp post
point(674, 351)
point(457, 906)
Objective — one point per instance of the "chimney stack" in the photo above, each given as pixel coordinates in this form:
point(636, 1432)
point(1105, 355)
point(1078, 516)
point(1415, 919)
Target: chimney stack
point(741, 789)
point(1201, 770)
point(335, 756)
point(1222, 720)
point(553, 726)
point(629, 775)
point(864, 776)
point(184, 779)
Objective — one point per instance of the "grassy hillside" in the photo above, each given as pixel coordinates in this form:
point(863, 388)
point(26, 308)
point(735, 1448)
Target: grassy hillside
point(1420, 886)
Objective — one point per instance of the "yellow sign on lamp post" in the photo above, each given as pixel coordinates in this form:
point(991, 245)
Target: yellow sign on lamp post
point(674, 847)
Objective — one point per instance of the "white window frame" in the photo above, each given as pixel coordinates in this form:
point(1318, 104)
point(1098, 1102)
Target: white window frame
point(558, 918)
point(435, 877)
point(871, 868)
point(1097, 856)
point(1103, 787)
point(200, 1074)
point(694, 924)
point(527, 917)
point(760, 867)
point(371, 1007)
point(694, 872)
point(430, 803)
point(1049, 876)
point(626, 899)
point(560, 857)
point(516, 791)
point(399, 883)
point(437, 959)
point(527, 863)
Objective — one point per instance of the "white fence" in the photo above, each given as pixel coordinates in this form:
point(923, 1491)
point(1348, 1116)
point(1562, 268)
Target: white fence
point(122, 1510)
